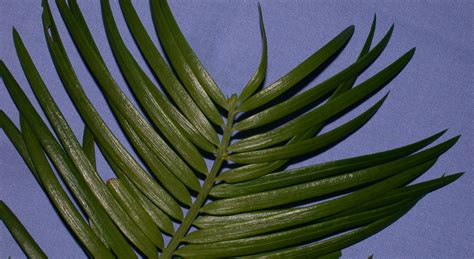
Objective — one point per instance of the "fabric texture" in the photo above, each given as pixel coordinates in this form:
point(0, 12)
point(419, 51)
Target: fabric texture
point(434, 92)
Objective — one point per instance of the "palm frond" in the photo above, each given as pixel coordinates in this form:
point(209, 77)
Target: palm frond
point(245, 203)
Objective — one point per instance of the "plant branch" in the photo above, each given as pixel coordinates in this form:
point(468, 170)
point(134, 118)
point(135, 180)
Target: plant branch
point(208, 183)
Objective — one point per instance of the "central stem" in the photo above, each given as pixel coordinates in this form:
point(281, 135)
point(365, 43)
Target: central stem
point(208, 183)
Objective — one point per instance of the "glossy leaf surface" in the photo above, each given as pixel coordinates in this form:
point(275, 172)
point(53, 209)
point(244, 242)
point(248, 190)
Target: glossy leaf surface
point(203, 160)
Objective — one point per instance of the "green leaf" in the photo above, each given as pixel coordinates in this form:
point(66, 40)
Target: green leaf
point(314, 172)
point(171, 183)
point(59, 198)
point(257, 79)
point(299, 72)
point(393, 196)
point(294, 104)
point(88, 146)
point(363, 52)
point(21, 235)
point(117, 242)
point(129, 202)
point(72, 146)
point(86, 46)
point(191, 59)
point(16, 138)
point(308, 145)
point(103, 135)
point(299, 192)
point(324, 112)
point(252, 171)
point(84, 171)
point(183, 68)
point(168, 80)
point(295, 216)
point(262, 210)
point(335, 243)
point(158, 216)
point(419, 189)
point(163, 174)
point(248, 172)
point(278, 240)
point(159, 109)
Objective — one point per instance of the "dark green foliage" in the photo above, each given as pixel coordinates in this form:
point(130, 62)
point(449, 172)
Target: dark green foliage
point(258, 208)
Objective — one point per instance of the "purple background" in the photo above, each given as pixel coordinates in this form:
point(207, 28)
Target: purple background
point(434, 92)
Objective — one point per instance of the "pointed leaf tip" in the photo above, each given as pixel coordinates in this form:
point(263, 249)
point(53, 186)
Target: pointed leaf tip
point(14, 31)
point(351, 28)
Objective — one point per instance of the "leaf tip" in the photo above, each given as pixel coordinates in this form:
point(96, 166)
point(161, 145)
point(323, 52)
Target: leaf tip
point(451, 142)
point(15, 33)
point(456, 138)
point(452, 177)
point(442, 132)
point(392, 27)
point(380, 102)
point(348, 32)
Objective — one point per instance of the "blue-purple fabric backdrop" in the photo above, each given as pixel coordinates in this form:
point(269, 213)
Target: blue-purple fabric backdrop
point(434, 92)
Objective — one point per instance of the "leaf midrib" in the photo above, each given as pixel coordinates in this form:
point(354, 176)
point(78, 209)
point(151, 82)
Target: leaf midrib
point(208, 183)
